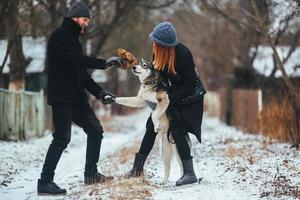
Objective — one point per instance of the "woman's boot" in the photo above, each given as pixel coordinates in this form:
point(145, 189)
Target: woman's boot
point(188, 173)
point(138, 165)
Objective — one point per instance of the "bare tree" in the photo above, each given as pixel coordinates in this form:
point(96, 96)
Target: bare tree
point(107, 16)
point(245, 20)
point(3, 7)
point(237, 14)
point(257, 18)
point(18, 62)
point(281, 33)
point(293, 95)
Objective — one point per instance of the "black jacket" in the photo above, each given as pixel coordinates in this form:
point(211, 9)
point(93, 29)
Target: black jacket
point(182, 85)
point(67, 66)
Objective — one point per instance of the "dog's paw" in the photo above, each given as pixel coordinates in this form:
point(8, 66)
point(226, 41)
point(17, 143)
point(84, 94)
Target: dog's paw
point(117, 100)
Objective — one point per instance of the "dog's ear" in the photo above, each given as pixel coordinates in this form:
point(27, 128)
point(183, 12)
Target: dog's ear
point(146, 64)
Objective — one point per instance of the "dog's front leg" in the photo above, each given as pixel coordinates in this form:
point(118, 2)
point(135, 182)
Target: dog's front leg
point(135, 102)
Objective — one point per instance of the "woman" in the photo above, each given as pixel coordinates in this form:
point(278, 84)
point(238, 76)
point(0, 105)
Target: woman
point(176, 64)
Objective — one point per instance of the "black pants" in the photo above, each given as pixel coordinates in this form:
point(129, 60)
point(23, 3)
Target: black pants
point(178, 133)
point(83, 116)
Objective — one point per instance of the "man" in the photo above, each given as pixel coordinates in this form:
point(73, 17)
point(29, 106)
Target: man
point(67, 81)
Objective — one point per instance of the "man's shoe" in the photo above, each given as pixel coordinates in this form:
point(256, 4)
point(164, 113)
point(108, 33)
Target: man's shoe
point(97, 178)
point(49, 188)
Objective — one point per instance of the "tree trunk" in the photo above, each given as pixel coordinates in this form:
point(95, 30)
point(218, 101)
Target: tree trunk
point(18, 62)
point(17, 66)
point(3, 14)
point(293, 96)
point(9, 45)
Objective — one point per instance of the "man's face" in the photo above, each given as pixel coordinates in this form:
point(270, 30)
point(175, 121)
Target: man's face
point(83, 22)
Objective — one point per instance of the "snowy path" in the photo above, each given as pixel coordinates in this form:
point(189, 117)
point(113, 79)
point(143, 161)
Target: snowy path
point(233, 165)
point(21, 162)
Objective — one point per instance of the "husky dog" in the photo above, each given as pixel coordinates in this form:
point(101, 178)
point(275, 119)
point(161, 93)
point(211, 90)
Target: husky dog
point(152, 93)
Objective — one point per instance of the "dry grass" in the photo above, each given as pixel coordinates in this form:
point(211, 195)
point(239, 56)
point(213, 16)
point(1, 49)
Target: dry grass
point(122, 188)
point(232, 152)
point(281, 187)
point(245, 153)
point(278, 121)
point(228, 140)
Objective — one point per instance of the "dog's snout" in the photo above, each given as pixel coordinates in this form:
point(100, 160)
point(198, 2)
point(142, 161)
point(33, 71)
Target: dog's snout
point(134, 67)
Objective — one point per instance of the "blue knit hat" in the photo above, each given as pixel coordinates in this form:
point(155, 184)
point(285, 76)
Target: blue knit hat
point(164, 34)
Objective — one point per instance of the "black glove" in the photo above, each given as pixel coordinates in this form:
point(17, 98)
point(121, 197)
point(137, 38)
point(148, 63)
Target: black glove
point(114, 60)
point(106, 97)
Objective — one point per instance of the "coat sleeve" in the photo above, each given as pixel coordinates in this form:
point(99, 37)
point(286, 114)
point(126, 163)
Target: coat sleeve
point(66, 49)
point(187, 75)
point(91, 85)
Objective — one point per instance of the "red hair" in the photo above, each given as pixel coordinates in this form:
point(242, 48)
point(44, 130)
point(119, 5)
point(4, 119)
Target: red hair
point(164, 56)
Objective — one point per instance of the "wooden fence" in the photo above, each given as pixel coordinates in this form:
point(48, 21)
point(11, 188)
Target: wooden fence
point(246, 108)
point(22, 114)
point(212, 104)
point(240, 108)
point(255, 111)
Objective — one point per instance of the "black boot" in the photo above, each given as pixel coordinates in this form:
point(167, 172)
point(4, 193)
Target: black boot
point(188, 173)
point(138, 165)
point(49, 188)
point(92, 176)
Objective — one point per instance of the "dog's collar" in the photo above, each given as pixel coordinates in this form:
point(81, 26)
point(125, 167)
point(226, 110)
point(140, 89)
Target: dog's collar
point(152, 82)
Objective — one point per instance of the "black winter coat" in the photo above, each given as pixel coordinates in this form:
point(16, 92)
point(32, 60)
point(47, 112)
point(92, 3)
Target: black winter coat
point(67, 66)
point(182, 85)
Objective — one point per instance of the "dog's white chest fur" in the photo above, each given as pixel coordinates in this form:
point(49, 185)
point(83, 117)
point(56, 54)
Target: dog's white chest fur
point(148, 95)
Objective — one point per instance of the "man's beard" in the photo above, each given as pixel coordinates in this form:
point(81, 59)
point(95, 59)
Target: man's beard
point(83, 30)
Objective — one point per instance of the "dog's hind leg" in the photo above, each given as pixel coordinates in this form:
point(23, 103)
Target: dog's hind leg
point(162, 105)
point(167, 153)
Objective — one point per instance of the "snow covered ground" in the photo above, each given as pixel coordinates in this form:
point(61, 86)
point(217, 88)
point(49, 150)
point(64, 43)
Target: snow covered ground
point(231, 165)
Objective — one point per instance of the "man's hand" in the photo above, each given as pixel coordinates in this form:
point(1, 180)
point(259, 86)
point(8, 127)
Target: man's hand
point(114, 60)
point(106, 97)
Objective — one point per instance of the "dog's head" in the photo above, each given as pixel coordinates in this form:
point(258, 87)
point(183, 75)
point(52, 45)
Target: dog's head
point(143, 70)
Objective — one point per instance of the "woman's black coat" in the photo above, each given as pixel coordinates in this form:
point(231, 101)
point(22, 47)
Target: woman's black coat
point(67, 66)
point(182, 85)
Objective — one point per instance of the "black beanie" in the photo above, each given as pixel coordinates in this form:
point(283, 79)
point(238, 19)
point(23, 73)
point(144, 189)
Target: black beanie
point(79, 9)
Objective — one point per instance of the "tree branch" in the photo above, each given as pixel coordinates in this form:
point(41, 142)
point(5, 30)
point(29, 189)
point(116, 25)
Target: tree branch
point(239, 24)
point(293, 46)
point(152, 6)
point(256, 48)
point(293, 95)
point(50, 8)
